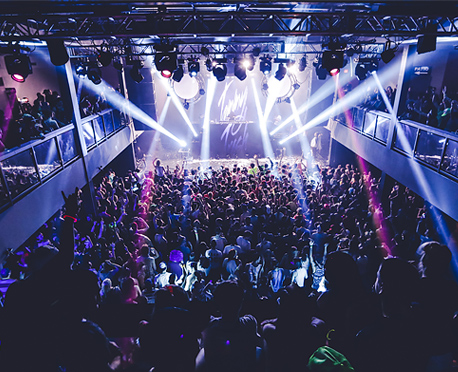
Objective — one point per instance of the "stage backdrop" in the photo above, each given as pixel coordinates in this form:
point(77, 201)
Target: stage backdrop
point(234, 116)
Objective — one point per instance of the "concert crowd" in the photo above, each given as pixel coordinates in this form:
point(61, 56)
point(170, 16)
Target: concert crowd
point(269, 267)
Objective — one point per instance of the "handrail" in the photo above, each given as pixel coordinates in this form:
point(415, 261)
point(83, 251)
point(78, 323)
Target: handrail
point(95, 116)
point(35, 142)
point(423, 127)
point(427, 128)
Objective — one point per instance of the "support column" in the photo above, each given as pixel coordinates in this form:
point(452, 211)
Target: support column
point(79, 138)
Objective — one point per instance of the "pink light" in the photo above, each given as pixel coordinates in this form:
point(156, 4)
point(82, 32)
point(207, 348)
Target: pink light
point(334, 71)
point(166, 73)
point(18, 77)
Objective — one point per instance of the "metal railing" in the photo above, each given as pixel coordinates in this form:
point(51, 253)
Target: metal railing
point(430, 146)
point(25, 167)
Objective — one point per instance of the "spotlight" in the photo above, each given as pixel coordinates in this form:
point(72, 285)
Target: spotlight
point(18, 66)
point(178, 74)
point(332, 61)
point(290, 63)
point(281, 72)
point(135, 71)
point(220, 71)
point(350, 52)
point(388, 54)
point(117, 65)
point(94, 75)
point(265, 65)
point(104, 57)
point(240, 69)
point(249, 62)
point(256, 51)
point(193, 67)
point(302, 64)
point(321, 72)
point(186, 104)
point(361, 71)
point(81, 70)
point(372, 65)
point(57, 52)
point(209, 64)
point(166, 63)
point(204, 51)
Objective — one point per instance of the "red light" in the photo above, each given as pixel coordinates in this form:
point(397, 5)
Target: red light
point(166, 73)
point(18, 77)
point(334, 71)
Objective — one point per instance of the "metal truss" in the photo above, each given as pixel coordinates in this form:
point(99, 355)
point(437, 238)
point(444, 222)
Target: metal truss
point(182, 24)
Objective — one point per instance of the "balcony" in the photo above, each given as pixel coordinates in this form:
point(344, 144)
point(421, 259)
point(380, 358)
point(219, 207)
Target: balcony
point(431, 147)
point(24, 168)
point(397, 149)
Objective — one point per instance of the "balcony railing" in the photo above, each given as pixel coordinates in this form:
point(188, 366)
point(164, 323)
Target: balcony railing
point(24, 168)
point(432, 147)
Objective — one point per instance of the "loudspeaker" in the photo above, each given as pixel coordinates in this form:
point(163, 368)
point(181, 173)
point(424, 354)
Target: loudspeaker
point(57, 52)
point(427, 43)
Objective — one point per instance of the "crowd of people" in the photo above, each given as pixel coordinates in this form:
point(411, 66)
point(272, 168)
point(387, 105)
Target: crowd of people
point(374, 99)
point(269, 267)
point(26, 121)
point(433, 108)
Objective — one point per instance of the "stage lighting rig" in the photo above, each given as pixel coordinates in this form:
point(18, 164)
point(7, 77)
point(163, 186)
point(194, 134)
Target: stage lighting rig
point(165, 59)
point(361, 71)
point(302, 64)
point(94, 74)
point(209, 64)
point(333, 61)
point(18, 66)
point(281, 72)
point(104, 57)
point(265, 65)
point(135, 73)
point(220, 69)
point(388, 54)
point(193, 67)
point(249, 62)
point(117, 64)
point(205, 51)
point(365, 67)
point(81, 69)
point(178, 74)
point(321, 72)
point(240, 69)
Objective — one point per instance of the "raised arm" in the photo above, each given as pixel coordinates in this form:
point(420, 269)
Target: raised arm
point(67, 245)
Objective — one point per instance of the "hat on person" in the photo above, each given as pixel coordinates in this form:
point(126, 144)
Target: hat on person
point(326, 359)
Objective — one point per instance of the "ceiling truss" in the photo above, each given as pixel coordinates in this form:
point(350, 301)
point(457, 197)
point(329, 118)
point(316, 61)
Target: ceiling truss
point(217, 24)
